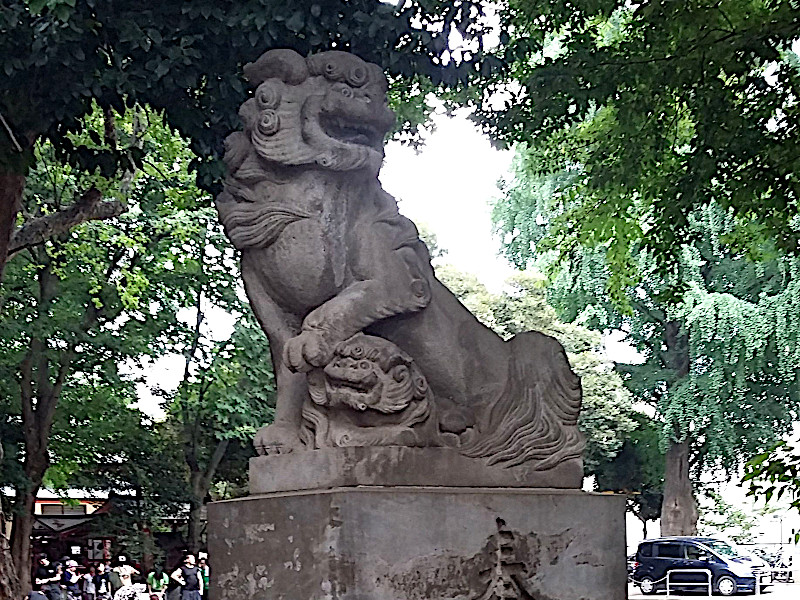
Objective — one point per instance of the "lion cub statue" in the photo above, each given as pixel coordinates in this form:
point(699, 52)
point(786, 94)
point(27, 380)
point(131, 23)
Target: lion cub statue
point(369, 348)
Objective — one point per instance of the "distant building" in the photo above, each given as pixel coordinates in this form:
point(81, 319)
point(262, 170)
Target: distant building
point(66, 525)
point(63, 526)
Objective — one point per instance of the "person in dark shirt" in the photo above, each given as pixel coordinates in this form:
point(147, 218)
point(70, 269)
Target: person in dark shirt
point(46, 578)
point(102, 583)
point(190, 578)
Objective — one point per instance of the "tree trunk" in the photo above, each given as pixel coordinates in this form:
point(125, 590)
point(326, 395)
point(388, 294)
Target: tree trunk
point(679, 509)
point(21, 536)
point(193, 537)
point(644, 527)
point(200, 483)
point(11, 186)
point(9, 581)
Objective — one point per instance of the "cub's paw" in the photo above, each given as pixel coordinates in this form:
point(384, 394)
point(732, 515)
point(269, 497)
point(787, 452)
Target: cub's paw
point(276, 439)
point(306, 351)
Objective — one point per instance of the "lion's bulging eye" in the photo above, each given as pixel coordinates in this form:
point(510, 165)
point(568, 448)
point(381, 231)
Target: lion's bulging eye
point(347, 92)
point(357, 76)
point(364, 365)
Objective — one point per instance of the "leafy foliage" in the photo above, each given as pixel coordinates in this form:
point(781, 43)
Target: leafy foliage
point(651, 111)
point(721, 366)
point(720, 516)
point(775, 474)
point(637, 471)
point(84, 314)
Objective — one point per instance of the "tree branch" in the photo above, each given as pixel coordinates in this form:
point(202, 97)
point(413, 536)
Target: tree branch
point(88, 207)
point(10, 133)
point(109, 127)
point(26, 390)
point(213, 463)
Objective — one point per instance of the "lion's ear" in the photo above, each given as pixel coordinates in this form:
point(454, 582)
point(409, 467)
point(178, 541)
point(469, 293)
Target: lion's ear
point(316, 387)
point(420, 383)
point(285, 64)
point(237, 147)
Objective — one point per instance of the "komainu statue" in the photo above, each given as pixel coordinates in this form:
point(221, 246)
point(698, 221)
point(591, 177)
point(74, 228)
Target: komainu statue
point(369, 347)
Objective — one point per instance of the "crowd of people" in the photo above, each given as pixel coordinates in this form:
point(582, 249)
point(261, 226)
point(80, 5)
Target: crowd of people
point(67, 580)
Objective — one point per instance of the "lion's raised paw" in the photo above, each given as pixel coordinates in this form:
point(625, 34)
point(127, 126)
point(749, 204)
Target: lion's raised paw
point(306, 351)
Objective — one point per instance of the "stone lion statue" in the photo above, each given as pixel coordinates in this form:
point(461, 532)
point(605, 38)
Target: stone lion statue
point(326, 256)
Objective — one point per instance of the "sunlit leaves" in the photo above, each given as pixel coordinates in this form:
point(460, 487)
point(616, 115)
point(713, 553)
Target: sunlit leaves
point(775, 474)
point(721, 367)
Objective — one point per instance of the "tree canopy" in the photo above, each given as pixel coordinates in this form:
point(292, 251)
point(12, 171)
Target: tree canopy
point(637, 471)
point(721, 367)
point(83, 310)
point(655, 110)
point(184, 60)
point(59, 56)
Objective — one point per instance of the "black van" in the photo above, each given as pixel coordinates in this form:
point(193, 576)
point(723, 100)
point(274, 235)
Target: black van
point(731, 570)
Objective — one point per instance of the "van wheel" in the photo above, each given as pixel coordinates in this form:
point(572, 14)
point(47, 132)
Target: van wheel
point(647, 585)
point(726, 585)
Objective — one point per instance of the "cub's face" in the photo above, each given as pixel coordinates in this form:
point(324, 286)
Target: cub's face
point(368, 373)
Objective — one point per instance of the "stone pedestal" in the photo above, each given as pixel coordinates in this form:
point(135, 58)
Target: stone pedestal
point(417, 542)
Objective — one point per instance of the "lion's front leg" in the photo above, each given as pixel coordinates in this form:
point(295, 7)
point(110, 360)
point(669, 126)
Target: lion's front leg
point(282, 435)
point(358, 306)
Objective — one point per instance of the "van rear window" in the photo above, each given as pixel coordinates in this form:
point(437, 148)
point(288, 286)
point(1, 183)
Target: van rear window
point(645, 549)
point(669, 550)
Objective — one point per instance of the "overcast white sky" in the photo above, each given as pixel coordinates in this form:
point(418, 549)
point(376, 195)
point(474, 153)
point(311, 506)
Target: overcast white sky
point(448, 187)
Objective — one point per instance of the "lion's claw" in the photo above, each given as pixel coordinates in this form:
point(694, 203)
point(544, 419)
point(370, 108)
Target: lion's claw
point(276, 439)
point(306, 351)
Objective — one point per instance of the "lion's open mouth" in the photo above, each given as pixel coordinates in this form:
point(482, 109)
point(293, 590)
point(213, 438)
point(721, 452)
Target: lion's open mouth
point(349, 132)
point(360, 387)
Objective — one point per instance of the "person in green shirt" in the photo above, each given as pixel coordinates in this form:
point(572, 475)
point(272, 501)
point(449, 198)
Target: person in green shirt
point(157, 581)
point(202, 566)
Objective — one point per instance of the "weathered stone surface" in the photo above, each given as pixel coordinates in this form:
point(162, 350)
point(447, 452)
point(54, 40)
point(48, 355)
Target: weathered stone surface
point(330, 266)
point(397, 466)
point(374, 543)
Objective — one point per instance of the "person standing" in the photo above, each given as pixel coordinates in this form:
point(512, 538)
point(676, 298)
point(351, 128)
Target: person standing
point(87, 584)
point(70, 580)
point(202, 565)
point(46, 579)
point(125, 572)
point(190, 578)
point(102, 583)
point(157, 581)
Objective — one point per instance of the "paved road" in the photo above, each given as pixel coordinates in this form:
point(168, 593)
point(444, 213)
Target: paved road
point(780, 591)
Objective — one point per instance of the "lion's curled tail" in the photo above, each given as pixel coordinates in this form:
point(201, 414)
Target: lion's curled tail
point(536, 417)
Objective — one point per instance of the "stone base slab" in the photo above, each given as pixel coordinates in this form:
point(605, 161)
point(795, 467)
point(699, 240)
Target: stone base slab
point(426, 543)
point(397, 466)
